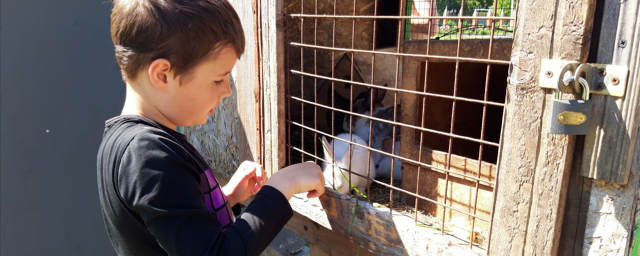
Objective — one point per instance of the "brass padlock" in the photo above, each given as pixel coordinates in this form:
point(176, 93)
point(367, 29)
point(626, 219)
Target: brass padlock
point(571, 117)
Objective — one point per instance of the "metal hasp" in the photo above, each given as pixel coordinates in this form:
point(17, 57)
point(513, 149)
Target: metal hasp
point(603, 79)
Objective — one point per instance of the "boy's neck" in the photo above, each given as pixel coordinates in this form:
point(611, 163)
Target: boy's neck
point(136, 104)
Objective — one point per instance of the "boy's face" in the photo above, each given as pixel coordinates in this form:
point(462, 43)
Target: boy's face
point(193, 99)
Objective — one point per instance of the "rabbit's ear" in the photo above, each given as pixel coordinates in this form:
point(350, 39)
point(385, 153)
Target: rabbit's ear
point(379, 94)
point(345, 160)
point(327, 148)
point(387, 144)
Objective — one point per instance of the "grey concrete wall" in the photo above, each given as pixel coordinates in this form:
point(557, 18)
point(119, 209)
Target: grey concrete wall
point(59, 82)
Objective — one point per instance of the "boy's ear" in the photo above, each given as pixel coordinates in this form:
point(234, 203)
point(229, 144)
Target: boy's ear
point(160, 73)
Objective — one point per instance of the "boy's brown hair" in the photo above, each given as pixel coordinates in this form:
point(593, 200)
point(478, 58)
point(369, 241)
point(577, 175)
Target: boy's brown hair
point(181, 31)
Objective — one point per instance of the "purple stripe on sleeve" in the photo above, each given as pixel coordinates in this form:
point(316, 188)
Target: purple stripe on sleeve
point(218, 198)
point(215, 199)
point(223, 217)
point(211, 179)
point(207, 200)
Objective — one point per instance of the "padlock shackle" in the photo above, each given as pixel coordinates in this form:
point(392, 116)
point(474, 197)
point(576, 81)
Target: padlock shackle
point(584, 85)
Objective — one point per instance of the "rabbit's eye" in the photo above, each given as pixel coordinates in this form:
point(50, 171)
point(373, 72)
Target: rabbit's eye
point(377, 165)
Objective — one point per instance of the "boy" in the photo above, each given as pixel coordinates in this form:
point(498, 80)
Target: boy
point(158, 195)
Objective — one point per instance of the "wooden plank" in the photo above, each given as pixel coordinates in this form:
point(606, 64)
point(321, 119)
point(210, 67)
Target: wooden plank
point(612, 207)
point(575, 208)
point(469, 48)
point(257, 84)
point(322, 237)
point(270, 252)
point(460, 191)
point(572, 37)
point(315, 250)
point(522, 128)
point(531, 189)
point(325, 222)
point(610, 141)
point(272, 40)
point(246, 74)
point(372, 229)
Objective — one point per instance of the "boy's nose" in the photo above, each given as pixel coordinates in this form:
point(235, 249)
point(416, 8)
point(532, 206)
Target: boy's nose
point(227, 90)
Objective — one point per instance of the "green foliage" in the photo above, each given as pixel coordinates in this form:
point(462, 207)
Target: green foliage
point(470, 5)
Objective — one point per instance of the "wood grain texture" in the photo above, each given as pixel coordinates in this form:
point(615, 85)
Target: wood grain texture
point(612, 207)
point(273, 82)
point(610, 142)
point(531, 189)
point(571, 41)
point(522, 128)
point(246, 76)
point(574, 222)
point(325, 222)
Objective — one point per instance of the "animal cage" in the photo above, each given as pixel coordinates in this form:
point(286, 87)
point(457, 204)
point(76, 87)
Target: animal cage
point(388, 80)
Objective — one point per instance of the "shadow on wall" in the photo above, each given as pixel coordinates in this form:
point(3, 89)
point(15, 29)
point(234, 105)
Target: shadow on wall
point(222, 141)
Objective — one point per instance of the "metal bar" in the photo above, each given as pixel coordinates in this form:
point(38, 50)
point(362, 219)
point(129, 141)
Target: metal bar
point(482, 126)
point(502, 62)
point(400, 90)
point(297, 15)
point(396, 123)
point(302, 80)
point(315, 82)
point(422, 121)
point(453, 115)
point(399, 48)
point(333, 90)
point(353, 43)
point(373, 68)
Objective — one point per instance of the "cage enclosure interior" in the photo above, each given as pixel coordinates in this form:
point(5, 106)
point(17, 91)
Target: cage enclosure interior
point(416, 88)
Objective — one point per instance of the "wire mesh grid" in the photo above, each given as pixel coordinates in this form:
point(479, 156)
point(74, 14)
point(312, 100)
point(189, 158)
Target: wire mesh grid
point(352, 78)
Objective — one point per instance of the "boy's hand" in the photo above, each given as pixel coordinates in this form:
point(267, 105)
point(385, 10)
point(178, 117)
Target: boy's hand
point(299, 178)
point(247, 181)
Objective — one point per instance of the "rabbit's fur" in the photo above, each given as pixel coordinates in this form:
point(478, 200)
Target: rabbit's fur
point(358, 161)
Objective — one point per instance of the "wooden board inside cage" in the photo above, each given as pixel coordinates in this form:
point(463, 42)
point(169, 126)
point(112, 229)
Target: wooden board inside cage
point(471, 83)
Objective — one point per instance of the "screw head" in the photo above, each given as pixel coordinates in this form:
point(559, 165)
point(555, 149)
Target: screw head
point(602, 72)
point(599, 86)
point(615, 81)
point(622, 43)
point(549, 74)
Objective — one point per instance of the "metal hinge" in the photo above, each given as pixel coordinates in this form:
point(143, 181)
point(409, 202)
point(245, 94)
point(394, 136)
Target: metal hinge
point(602, 79)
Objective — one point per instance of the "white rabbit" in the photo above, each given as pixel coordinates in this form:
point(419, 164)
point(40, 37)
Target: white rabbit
point(384, 165)
point(359, 157)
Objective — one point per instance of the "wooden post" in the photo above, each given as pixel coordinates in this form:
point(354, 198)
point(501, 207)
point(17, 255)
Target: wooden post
point(534, 165)
point(610, 144)
point(273, 82)
point(609, 149)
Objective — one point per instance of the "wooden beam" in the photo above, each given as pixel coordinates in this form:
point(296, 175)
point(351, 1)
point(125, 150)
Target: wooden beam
point(574, 222)
point(612, 208)
point(321, 237)
point(610, 142)
point(325, 222)
point(273, 84)
point(534, 165)
point(571, 41)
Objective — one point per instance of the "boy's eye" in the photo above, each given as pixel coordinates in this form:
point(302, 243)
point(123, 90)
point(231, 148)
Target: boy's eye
point(219, 82)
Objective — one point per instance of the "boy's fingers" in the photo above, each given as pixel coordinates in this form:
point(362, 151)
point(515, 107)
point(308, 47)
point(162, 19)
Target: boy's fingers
point(259, 175)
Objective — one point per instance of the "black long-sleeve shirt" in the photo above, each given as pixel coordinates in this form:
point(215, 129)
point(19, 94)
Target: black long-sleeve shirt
point(159, 197)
